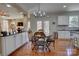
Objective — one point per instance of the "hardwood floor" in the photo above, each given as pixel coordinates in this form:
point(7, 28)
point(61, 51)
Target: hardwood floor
point(62, 48)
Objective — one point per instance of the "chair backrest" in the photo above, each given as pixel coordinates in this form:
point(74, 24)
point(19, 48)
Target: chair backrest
point(41, 42)
point(41, 39)
point(39, 34)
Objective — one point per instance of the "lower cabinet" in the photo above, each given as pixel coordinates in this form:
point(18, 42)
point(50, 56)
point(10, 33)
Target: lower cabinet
point(18, 40)
point(3, 47)
point(24, 37)
point(9, 44)
point(63, 34)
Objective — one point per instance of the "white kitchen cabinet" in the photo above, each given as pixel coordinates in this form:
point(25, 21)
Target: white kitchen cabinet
point(77, 35)
point(18, 40)
point(74, 35)
point(9, 44)
point(24, 37)
point(63, 20)
point(63, 34)
point(3, 47)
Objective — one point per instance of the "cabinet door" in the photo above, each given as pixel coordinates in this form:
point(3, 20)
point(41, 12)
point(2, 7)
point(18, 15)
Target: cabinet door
point(63, 20)
point(18, 40)
point(3, 46)
point(64, 34)
point(24, 37)
point(60, 34)
point(10, 44)
point(67, 34)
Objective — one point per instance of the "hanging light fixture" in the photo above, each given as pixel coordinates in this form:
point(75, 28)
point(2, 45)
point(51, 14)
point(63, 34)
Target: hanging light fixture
point(39, 12)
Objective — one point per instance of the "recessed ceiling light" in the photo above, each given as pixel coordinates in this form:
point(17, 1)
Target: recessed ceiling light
point(64, 6)
point(8, 5)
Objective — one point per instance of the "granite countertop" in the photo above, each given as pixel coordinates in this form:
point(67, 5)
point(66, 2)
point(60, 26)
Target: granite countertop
point(13, 34)
point(77, 32)
point(68, 30)
point(71, 31)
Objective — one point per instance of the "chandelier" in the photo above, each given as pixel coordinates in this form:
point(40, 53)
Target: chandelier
point(39, 12)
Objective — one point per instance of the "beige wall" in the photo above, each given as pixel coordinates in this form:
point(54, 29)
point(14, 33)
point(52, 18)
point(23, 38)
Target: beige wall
point(12, 23)
point(24, 20)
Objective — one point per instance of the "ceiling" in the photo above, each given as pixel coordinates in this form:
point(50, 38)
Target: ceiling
point(11, 11)
point(31, 7)
point(50, 7)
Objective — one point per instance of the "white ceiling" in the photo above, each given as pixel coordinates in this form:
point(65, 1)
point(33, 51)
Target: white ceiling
point(48, 7)
point(11, 11)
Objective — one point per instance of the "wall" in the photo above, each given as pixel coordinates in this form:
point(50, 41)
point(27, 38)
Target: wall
point(69, 14)
point(52, 27)
point(12, 23)
point(24, 20)
point(52, 18)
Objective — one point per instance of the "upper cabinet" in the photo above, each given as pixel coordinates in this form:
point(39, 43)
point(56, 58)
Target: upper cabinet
point(63, 20)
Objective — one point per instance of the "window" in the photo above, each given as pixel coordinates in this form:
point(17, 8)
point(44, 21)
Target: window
point(73, 21)
point(39, 25)
point(28, 25)
point(5, 25)
point(43, 25)
point(46, 27)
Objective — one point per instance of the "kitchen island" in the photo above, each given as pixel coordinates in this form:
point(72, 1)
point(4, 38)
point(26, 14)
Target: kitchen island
point(68, 34)
point(63, 34)
point(75, 37)
point(72, 35)
point(10, 43)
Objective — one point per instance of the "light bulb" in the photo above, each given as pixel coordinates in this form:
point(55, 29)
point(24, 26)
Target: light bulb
point(39, 12)
point(8, 5)
point(64, 6)
point(44, 13)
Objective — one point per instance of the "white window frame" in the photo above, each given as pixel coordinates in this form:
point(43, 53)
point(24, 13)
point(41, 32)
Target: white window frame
point(39, 25)
point(46, 27)
point(28, 25)
point(74, 25)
